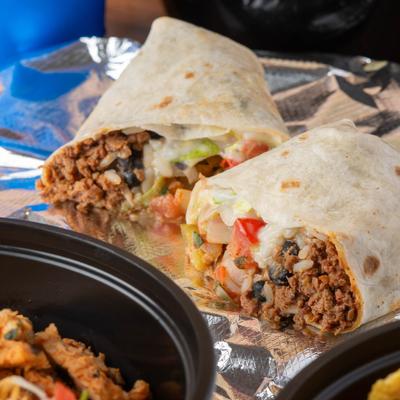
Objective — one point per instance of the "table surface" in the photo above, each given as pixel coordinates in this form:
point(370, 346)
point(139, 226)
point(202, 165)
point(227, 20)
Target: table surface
point(378, 37)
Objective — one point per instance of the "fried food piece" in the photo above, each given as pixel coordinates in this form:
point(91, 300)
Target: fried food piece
point(387, 388)
point(140, 391)
point(10, 391)
point(14, 354)
point(87, 371)
point(4, 373)
point(38, 360)
point(14, 326)
point(44, 379)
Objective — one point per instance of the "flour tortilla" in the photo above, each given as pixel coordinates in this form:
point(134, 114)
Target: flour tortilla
point(339, 182)
point(186, 83)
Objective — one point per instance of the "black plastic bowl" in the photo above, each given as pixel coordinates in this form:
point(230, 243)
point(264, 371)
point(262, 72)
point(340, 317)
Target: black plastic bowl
point(111, 300)
point(350, 369)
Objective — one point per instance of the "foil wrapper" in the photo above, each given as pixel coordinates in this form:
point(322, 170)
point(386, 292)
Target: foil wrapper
point(44, 100)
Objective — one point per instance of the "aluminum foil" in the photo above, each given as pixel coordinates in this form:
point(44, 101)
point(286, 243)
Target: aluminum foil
point(43, 101)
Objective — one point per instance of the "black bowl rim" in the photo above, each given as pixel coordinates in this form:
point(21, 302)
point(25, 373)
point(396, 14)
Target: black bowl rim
point(206, 365)
point(338, 351)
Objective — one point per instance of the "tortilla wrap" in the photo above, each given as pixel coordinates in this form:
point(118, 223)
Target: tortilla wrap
point(336, 182)
point(185, 83)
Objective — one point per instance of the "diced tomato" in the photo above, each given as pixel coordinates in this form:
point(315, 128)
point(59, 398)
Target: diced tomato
point(249, 227)
point(221, 274)
point(244, 235)
point(62, 392)
point(167, 207)
point(227, 163)
point(252, 148)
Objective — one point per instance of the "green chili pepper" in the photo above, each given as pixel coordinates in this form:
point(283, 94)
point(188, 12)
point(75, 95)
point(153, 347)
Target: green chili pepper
point(164, 190)
point(84, 395)
point(197, 240)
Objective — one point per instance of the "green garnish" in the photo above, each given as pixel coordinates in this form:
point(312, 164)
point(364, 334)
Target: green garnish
point(84, 395)
point(11, 334)
point(197, 149)
point(240, 261)
point(197, 240)
point(164, 190)
point(154, 191)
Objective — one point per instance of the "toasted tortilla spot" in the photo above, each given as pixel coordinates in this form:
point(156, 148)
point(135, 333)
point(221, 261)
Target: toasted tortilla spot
point(397, 170)
point(395, 305)
point(290, 184)
point(189, 75)
point(207, 65)
point(167, 100)
point(285, 153)
point(371, 264)
point(303, 136)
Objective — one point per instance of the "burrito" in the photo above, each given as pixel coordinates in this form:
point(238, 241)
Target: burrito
point(305, 235)
point(190, 103)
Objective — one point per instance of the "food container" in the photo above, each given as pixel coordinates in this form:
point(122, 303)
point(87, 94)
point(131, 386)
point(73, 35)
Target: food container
point(349, 370)
point(110, 300)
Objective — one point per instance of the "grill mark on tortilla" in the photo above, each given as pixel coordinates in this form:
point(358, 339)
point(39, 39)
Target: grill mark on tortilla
point(397, 170)
point(291, 184)
point(371, 265)
point(395, 305)
point(303, 137)
point(285, 153)
point(189, 75)
point(167, 100)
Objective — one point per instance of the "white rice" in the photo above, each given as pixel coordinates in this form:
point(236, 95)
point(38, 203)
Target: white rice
point(303, 265)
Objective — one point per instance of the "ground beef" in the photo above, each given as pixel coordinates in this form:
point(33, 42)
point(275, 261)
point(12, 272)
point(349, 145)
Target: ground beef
point(249, 304)
point(321, 295)
point(284, 297)
point(77, 173)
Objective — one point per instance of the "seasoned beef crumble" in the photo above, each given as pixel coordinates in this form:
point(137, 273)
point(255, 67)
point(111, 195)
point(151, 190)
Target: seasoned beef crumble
point(319, 295)
point(83, 173)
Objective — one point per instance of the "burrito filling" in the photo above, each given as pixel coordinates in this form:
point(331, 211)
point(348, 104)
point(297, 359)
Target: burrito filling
point(291, 277)
point(131, 172)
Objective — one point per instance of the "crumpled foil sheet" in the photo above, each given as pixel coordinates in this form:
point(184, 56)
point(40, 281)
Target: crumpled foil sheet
point(43, 101)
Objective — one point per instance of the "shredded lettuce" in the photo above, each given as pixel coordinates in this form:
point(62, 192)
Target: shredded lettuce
point(157, 189)
point(193, 151)
point(241, 206)
point(222, 196)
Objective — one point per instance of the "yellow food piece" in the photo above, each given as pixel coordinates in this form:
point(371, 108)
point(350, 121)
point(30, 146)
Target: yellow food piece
point(387, 388)
point(196, 256)
point(15, 354)
point(183, 197)
point(154, 191)
point(11, 391)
